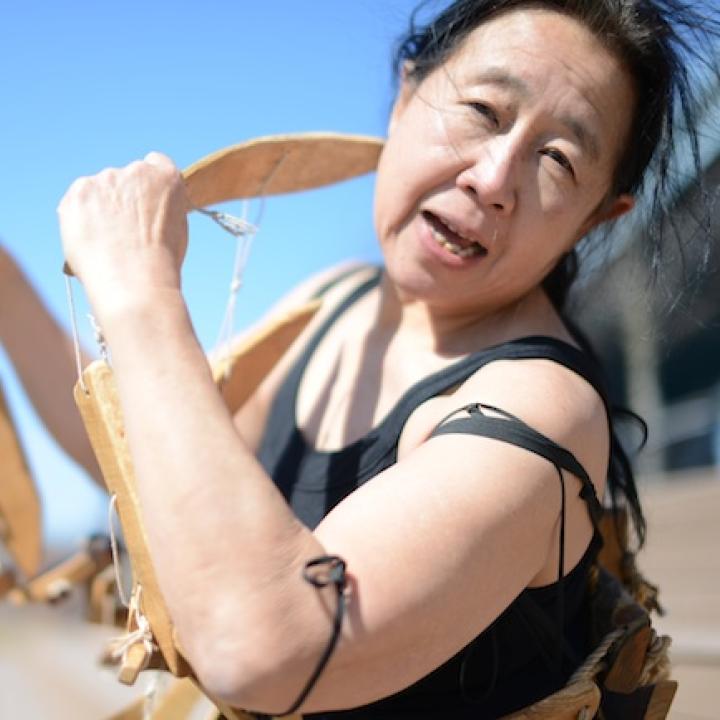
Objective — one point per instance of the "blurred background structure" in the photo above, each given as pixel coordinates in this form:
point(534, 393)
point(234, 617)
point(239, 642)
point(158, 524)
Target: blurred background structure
point(88, 84)
point(658, 330)
point(660, 340)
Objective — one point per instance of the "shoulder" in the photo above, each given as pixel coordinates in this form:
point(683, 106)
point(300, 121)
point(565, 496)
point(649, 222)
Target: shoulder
point(552, 399)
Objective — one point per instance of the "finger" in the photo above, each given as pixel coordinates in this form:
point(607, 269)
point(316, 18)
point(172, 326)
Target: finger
point(159, 160)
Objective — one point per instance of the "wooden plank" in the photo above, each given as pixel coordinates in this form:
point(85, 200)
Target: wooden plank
point(661, 700)
point(250, 359)
point(54, 584)
point(19, 501)
point(100, 410)
point(280, 164)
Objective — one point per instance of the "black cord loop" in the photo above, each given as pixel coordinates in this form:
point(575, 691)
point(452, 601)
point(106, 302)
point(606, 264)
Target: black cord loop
point(321, 572)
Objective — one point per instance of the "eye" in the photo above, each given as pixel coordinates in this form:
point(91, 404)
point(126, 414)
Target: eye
point(560, 158)
point(486, 111)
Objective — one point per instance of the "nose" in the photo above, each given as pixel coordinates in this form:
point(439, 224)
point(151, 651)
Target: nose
point(490, 175)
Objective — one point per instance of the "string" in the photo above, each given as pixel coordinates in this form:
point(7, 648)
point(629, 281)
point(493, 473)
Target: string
point(244, 232)
point(75, 333)
point(114, 551)
point(157, 682)
point(120, 645)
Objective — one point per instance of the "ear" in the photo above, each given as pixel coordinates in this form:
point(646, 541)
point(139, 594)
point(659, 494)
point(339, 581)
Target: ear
point(611, 209)
point(405, 93)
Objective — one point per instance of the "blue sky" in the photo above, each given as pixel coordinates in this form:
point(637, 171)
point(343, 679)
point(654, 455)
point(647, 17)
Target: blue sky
point(91, 84)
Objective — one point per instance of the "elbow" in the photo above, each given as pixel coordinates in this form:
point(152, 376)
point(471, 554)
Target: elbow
point(254, 673)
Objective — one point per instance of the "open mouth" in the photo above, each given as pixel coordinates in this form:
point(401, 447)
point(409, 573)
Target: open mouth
point(451, 238)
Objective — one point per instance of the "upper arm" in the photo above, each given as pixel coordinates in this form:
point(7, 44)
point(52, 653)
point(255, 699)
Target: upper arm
point(443, 541)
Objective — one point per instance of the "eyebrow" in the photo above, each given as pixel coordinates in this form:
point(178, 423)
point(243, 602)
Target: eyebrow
point(585, 137)
point(501, 77)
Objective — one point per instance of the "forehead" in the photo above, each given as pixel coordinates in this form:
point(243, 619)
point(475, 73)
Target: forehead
point(539, 55)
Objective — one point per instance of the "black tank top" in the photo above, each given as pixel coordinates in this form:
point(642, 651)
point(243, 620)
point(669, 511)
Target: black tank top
point(531, 649)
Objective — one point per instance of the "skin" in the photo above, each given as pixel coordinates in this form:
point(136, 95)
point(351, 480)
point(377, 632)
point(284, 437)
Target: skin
point(250, 627)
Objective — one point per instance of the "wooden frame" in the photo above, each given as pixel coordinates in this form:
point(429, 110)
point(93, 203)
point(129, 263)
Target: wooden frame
point(21, 531)
point(20, 516)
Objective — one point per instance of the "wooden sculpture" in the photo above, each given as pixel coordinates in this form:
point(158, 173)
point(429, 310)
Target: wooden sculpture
point(21, 533)
point(20, 520)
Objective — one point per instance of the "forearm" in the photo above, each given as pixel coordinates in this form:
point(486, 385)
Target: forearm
point(220, 534)
point(43, 357)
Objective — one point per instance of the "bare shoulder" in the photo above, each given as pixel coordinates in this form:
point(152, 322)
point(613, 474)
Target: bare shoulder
point(549, 397)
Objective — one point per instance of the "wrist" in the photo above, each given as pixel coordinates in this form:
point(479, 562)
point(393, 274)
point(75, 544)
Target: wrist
point(122, 305)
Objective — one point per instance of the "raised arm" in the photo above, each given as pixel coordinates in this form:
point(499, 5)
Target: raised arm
point(42, 354)
point(428, 542)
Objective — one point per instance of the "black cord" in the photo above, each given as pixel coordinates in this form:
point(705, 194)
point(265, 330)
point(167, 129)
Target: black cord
point(321, 572)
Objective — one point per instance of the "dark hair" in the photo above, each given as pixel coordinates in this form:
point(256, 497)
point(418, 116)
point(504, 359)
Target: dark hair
point(659, 42)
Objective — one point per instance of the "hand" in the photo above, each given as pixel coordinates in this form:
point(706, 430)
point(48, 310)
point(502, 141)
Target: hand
point(124, 231)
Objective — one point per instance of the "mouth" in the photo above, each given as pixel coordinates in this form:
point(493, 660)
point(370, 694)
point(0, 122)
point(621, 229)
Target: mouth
point(451, 238)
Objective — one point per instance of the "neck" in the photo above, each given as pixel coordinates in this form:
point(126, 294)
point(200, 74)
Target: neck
point(459, 330)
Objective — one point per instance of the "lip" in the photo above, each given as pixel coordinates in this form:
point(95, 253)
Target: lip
point(445, 256)
point(467, 231)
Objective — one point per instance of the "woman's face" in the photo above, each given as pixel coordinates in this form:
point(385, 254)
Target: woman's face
point(501, 160)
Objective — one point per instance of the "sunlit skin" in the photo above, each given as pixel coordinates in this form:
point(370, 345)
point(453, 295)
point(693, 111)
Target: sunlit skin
point(513, 142)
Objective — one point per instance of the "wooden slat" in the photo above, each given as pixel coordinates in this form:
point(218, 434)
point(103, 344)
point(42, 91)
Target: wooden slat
point(19, 501)
point(661, 700)
point(249, 360)
point(100, 410)
point(54, 584)
point(7, 581)
point(627, 661)
point(280, 164)
point(614, 531)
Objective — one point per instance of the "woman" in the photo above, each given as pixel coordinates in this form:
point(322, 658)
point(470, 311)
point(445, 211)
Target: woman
point(438, 430)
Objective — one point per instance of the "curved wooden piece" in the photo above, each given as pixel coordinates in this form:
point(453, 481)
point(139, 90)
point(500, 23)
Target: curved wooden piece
point(578, 701)
point(661, 699)
point(56, 583)
point(104, 606)
point(100, 410)
point(20, 518)
point(241, 370)
point(280, 164)
point(7, 582)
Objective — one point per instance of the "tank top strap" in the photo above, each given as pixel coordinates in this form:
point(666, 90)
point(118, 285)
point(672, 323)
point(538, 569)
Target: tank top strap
point(535, 347)
point(347, 302)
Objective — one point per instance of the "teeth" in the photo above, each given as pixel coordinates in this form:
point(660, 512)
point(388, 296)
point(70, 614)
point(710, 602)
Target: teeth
point(457, 232)
point(453, 247)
